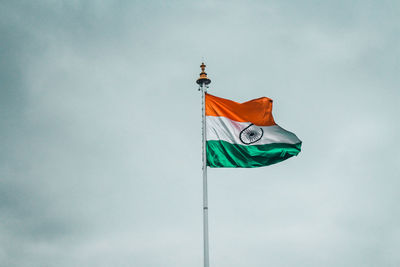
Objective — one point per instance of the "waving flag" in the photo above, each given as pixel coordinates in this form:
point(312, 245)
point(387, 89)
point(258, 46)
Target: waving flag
point(245, 135)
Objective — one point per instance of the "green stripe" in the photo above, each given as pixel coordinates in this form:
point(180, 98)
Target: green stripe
point(222, 154)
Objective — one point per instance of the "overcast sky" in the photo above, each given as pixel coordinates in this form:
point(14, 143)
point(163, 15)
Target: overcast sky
point(100, 126)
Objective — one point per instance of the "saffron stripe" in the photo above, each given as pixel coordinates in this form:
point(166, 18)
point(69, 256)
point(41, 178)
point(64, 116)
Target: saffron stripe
point(257, 111)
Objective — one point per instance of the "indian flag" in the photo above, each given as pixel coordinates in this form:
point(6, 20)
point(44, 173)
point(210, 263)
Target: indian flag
point(245, 135)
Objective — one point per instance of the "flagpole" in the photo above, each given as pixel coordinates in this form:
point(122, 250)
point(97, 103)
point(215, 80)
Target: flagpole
point(205, 193)
point(203, 82)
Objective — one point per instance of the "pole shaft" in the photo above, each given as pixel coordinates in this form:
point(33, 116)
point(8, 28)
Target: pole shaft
point(205, 193)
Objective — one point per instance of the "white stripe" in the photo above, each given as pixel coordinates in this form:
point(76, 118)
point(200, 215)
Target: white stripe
point(221, 128)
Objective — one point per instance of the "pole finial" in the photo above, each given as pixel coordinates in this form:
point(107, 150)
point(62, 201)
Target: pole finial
point(203, 79)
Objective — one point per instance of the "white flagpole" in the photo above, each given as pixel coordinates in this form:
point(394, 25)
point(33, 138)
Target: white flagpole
point(205, 193)
point(203, 81)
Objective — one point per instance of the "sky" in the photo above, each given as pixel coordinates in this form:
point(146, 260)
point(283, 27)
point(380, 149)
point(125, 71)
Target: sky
point(100, 127)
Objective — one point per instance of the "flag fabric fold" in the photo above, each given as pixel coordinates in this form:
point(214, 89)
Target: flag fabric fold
point(245, 135)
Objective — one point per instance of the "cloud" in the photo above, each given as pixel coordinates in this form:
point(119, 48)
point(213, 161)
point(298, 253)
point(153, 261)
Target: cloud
point(100, 126)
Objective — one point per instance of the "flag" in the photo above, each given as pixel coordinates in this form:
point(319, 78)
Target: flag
point(245, 135)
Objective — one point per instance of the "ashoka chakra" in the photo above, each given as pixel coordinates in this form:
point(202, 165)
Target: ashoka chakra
point(251, 134)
